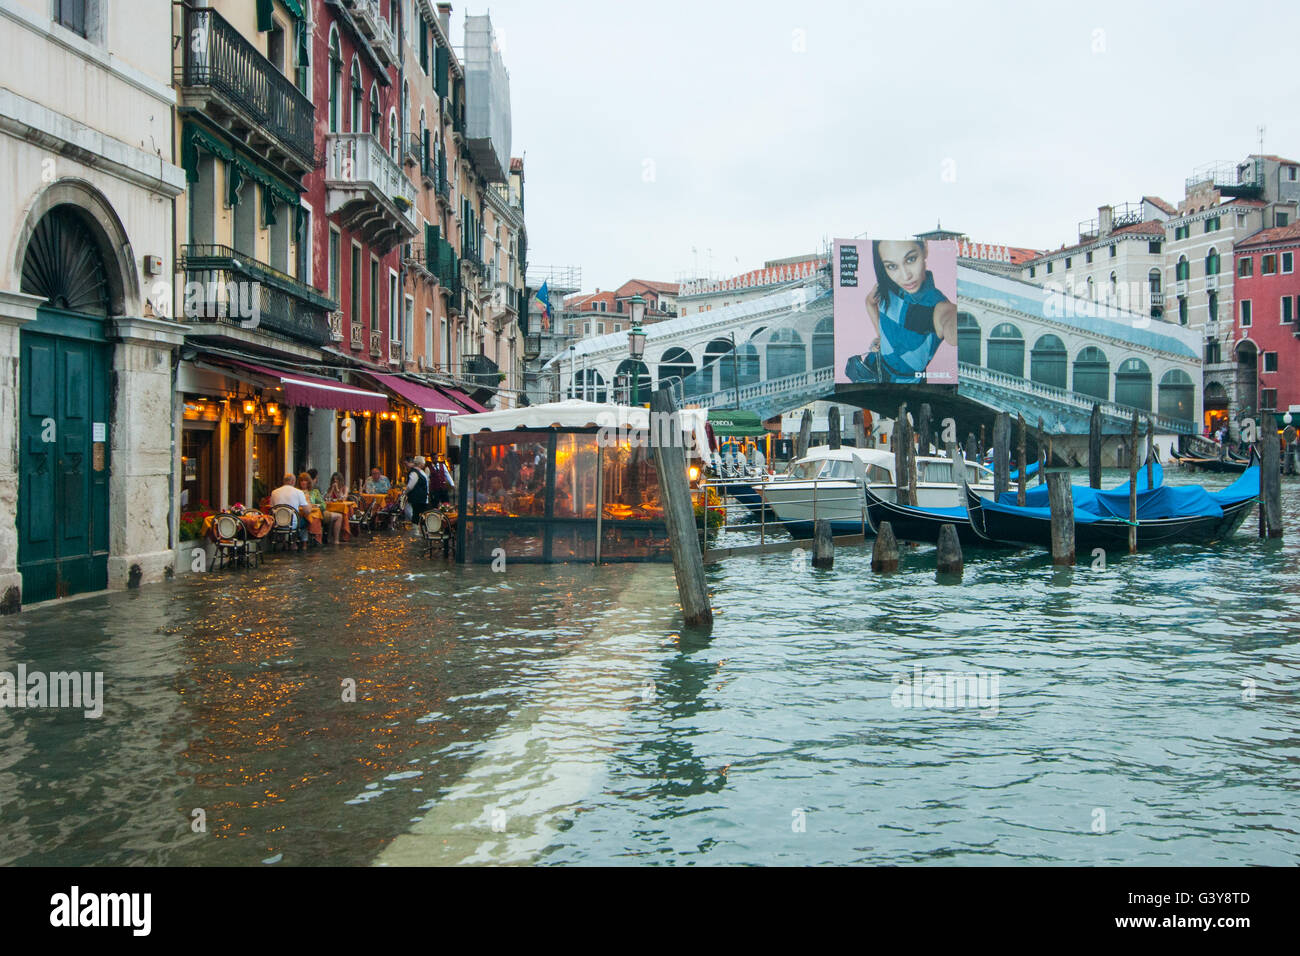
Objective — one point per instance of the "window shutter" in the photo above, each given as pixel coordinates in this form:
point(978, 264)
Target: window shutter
point(441, 68)
point(264, 21)
point(424, 45)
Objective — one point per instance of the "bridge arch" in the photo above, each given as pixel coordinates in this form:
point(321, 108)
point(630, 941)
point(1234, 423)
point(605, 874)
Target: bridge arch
point(1049, 361)
point(675, 363)
point(969, 335)
point(823, 342)
point(1006, 350)
point(707, 378)
point(588, 384)
point(634, 367)
point(1092, 373)
point(1177, 395)
point(1133, 384)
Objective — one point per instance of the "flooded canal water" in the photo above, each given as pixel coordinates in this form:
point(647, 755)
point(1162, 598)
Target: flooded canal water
point(1141, 713)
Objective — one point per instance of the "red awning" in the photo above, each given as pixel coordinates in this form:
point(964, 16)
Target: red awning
point(421, 396)
point(314, 392)
point(463, 399)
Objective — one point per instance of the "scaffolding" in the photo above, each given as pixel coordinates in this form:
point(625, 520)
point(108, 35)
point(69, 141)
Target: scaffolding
point(487, 91)
point(564, 280)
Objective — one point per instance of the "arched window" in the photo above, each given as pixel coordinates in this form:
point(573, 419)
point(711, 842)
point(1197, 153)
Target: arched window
point(1048, 362)
point(355, 94)
point(718, 368)
point(376, 117)
point(336, 78)
point(823, 343)
point(1153, 280)
point(1133, 384)
point(1007, 350)
point(786, 354)
point(588, 384)
point(1177, 395)
point(1183, 271)
point(64, 265)
point(1092, 292)
point(1212, 262)
point(676, 363)
point(1092, 373)
point(1113, 291)
point(394, 137)
point(631, 368)
point(968, 339)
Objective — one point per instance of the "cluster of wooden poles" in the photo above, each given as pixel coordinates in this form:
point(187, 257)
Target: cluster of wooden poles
point(688, 561)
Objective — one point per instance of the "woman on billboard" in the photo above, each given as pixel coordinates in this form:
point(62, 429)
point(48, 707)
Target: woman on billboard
point(911, 316)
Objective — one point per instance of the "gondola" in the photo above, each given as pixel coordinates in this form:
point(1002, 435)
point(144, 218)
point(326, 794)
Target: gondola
point(911, 523)
point(1230, 465)
point(1167, 514)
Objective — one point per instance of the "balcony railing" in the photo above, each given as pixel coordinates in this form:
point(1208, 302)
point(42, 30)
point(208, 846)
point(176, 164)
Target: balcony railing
point(367, 190)
point(1211, 283)
point(336, 326)
point(218, 58)
point(394, 353)
point(358, 338)
point(239, 290)
point(414, 149)
point(480, 370)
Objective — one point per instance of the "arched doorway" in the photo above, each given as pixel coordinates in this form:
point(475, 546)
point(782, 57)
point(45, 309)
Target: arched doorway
point(1007, 350)
point(64, 406)
point(1247, 378)
point(1092, 373)
point(1048, 362)
point(1177, 395)
point(1216, 407)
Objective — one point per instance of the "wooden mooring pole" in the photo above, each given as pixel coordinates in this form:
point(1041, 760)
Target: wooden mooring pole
point(823, 544)
point(1270, 484)
point(884, 553)
point(805, 434)
point(923, 429)
point(1094, 448)
point(1132, 486)
point(859, 429)
point(1044, 455)
point(904, 457)
point(1060, 498)
point(1001, 454)
point(833, 426)
point(669, 452)
point(949, 554)
point(1020, 462)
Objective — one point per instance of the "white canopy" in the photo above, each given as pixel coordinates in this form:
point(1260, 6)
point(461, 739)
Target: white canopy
point(576, 413)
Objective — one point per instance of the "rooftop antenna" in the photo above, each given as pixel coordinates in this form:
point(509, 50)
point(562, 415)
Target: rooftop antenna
point(1261, 139)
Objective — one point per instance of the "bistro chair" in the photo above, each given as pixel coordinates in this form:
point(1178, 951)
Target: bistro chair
point(233, 542)
point(283, 521)
point(435, 529)
point(360, 516)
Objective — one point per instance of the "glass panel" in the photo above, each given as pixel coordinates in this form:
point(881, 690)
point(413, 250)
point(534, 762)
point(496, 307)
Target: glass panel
point(509, 474)
point(521, 540)
point(575, 476)
point(631, 489)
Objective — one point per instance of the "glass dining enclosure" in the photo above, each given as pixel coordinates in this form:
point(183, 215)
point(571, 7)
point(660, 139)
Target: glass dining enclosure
point(558, 494)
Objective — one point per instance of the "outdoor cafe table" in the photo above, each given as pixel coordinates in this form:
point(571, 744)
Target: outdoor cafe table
point(344, 508)
point(255, 523)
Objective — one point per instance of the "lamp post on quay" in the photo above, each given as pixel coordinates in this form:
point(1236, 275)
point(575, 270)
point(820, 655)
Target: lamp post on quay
point(636, 344)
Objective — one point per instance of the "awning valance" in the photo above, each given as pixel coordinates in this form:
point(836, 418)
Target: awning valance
point(313, 392)
point(430, 400)
point(459, 396)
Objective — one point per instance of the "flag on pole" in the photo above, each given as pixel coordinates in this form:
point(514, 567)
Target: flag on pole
point(544, 297)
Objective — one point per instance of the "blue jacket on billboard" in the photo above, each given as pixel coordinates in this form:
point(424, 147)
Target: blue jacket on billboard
point(908, 338)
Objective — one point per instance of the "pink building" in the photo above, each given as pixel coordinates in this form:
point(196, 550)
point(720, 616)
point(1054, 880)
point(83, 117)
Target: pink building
point(1267, 327)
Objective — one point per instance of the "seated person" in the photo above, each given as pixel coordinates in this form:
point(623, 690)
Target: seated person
point(377, 483)
point(288, 494)
point(332, 518)
point(338, 491)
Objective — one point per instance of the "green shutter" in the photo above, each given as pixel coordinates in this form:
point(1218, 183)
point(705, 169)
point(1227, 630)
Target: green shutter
point(268, 207)
point(424, 44)
point(431, 247)
point(264, 21)
point(443, 65)
point(234, 179)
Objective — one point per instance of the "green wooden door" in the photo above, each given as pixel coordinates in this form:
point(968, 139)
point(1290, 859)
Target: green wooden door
point(63, 463)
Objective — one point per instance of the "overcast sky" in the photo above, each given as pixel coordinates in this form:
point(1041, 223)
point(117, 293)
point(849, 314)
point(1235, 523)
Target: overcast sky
point(758, 129)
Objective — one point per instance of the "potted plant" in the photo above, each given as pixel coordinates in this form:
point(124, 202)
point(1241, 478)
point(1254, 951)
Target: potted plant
point(189, 536)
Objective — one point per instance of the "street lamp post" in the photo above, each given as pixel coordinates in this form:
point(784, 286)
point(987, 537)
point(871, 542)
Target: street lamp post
point(636, 345)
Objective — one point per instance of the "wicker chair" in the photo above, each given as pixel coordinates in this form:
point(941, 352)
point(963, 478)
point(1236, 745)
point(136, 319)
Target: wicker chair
point(233, 542)
point(284, 520)
point(360, 517)
point(436, 530)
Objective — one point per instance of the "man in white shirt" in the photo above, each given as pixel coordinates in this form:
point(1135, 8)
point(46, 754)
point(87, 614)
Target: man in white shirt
point(291, 495)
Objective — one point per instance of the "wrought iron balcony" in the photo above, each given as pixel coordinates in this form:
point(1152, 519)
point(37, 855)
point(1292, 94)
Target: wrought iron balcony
point(235, 289)
point(414, 149)
point(367, 193)
point(227, 79)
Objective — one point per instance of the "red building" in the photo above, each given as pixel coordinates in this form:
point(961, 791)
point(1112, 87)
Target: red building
point(1268, 319)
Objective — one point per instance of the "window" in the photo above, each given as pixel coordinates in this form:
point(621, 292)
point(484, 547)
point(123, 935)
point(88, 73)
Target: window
point(1213, 352)
point(394, 316)
point(336, 76)
point(1245, 266)
point(1281, 219)
point(1049, 267)
point(618, 327)
point(1213, 306)
point(1153, 247)
point(428, 335)
point(333, 264)
point(1270, 361)
point(1267, 265)
point(1291, 174)
point(1182, 310)
point(1245, 313)
point(1212, 262)
point(1212, 224)
point(275, 47)
point(600, 328)
point(1068, 259)
point(355, 97)
point(1087, 258)
point(1114, 250)
point(1287, 262)
point(1288, 313)
point(356, 284)
point(1182, 232)
point(408, 327)
point(1268, 399)
point(71, 14)
point(1032, 271)
point(1183, 270)
point(374, 294)
point(302, 247)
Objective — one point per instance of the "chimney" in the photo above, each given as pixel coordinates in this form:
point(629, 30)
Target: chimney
point(444, 15)
point(1105, 219)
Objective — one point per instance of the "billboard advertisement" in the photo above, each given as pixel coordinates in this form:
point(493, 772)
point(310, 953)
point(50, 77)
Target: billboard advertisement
point(895, 304)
